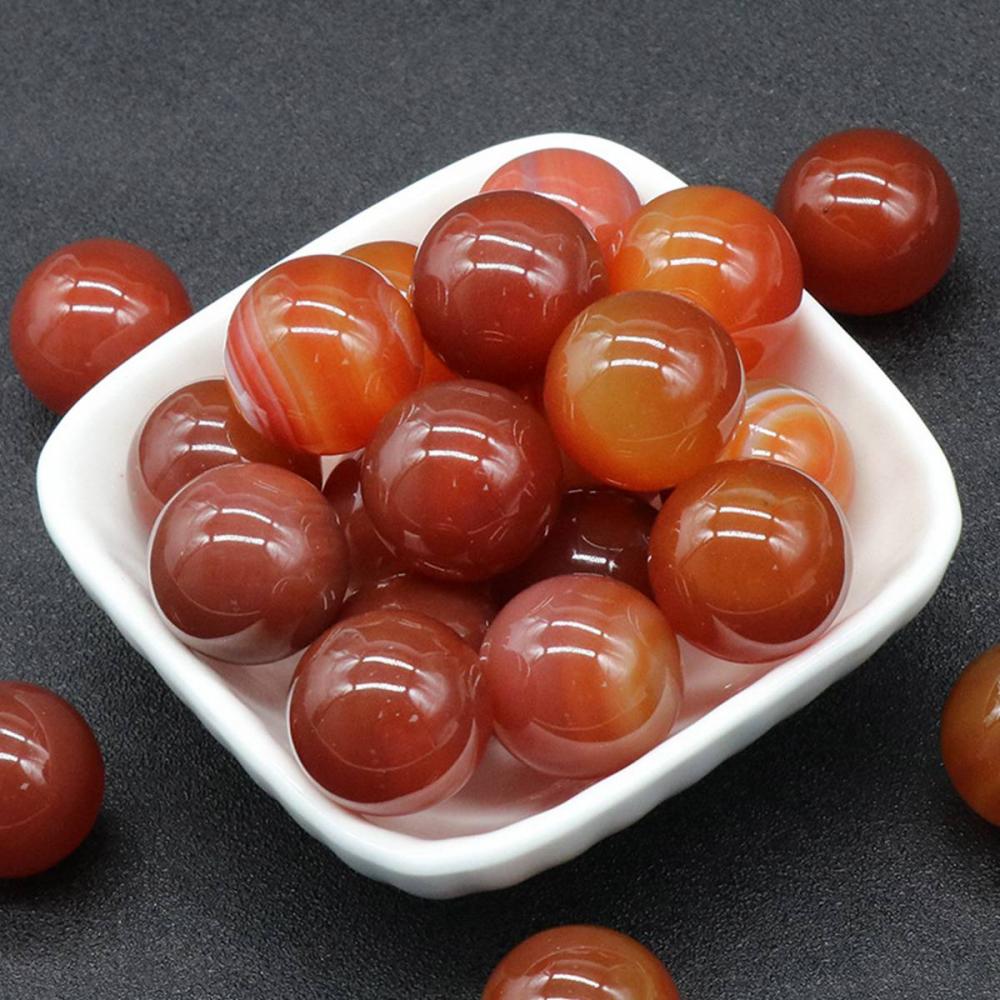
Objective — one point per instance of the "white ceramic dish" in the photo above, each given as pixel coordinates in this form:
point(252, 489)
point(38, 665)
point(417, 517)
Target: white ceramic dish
point(508, 824)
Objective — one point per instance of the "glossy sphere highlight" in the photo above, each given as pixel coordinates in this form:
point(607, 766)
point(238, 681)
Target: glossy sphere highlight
point(970, 735)
point(318, 350)
point(51, 779)
point(498, 277)
point(370, 558)
point(596, 192)
point(784, 424)
point(195, 429)
point(87, 308)
point(643, 389)
point(583, 674)
point(387, 713)
point(875, 217)
point(248, 564)
point(467, 609)
point(462, 481)
point(394, 261)
point(597, 531)
point(580, 963)
point(750, 560)
point(725, 252)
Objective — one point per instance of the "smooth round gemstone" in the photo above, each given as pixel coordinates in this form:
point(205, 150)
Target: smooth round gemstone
point(370, 558)
point(248, 563)
point(466, 608)
point(87, 308)
point(597, 531)
point(462, 480)
point(725, 252)
point(970, 735)
point(643, 390)
point(583, 674)
point(51, 779)
point(498, 277)
point(750, 560)
point(875, 217)
point(784, 424)
point(195, 429)
point(394, 261)
point(387, 713)
point(319, 349)
point(580, 963)
point(596, 192)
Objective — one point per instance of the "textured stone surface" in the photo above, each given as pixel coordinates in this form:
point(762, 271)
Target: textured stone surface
point(831, 860)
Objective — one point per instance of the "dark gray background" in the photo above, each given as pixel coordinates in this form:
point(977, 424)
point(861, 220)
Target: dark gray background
point(830, 860)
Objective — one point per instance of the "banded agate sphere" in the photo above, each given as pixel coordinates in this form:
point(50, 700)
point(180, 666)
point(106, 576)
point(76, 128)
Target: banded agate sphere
point(319, 349)
point(595, 191)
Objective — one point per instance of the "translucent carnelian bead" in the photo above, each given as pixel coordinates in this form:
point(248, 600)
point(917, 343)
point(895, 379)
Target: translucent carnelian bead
point(784, 424)
point(580, 963)
point(596, 192)
point(875, 217)
point(318, 350)
point(643, 390)
point(750, 560)
point(724, 251)
point(498, 277)
point(462, 480)
point(87, 308)
point(247, 563)
point(970, 735)
point(583, 674)
point(387, 713)
point(195, 429)
point(51, 779)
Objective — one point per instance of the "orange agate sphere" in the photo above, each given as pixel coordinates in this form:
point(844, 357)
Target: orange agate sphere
point(580, 963)
point(750, 560)
point(970, 735)
point(724, 251)
point(394, 261)
point(875, 217)
point(596, 192)
point(583, 673)
point(784, 424)
point(643, 389)
point(319, 349)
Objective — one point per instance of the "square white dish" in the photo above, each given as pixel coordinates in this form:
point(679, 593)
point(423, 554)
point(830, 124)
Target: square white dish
point(508, 824)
